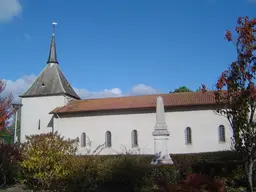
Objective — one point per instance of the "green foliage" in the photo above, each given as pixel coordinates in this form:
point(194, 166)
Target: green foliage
point(235, 93)
point(88, 173)
point(10, 156)
point(199, 89)
point(182, 89)
point(237, 177)
point(234, 189)
point(61, 170)
point(47, 159)
point(219, 156)
point(49, 162)
point(158, 175)
point(6, 137)
point(124, 173)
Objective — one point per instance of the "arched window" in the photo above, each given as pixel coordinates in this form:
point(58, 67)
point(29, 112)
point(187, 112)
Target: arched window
point(134, 138)
point(222, 137)
point(188, 134)
point(108, 139)
point(83, 140)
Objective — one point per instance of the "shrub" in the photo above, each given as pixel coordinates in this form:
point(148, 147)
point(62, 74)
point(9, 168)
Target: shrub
point(196, 183)
point(10, 156)
point(208, 157)
point(204, 182)
point(237, 177)
point(88, 173)
point(125, 170)
point(160, 174)
point(134, 173)
point(50, 163)
point(47, 160)
point(124, 173)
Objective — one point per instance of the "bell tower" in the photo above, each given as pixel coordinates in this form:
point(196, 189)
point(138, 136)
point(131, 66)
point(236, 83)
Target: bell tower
point(50, 90)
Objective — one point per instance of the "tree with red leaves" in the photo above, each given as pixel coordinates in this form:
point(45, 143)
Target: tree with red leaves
point(236, 91)
point(6, 109)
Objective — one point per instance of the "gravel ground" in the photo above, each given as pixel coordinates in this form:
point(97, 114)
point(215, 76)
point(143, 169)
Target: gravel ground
point(16, 188)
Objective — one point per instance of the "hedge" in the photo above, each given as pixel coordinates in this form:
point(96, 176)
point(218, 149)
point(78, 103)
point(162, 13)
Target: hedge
point(187, 158)
point(10, 156)
point(128, 169)
point(126, 172)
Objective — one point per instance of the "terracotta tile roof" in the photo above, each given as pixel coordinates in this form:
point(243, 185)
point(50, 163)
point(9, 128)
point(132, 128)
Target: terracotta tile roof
point(138, 102)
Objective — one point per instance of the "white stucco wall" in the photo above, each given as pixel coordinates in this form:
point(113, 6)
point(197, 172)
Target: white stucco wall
point(204, 125)
point(38, 108)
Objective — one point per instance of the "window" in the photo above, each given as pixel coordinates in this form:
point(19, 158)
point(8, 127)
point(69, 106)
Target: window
point(83, 140)
point(222, 137)
point(134, 138)
point(108, 139)
point(39, 124)
point(188, 134)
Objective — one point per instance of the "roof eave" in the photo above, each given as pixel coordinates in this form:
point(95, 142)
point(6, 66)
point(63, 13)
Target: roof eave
point(46, 95)
point(138, 108)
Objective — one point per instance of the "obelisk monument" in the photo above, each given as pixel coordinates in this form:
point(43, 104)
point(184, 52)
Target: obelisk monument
point(161, 134)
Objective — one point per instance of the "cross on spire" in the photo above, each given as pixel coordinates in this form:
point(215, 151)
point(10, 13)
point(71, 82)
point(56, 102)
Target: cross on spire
point(53, 54)
point(53, 27)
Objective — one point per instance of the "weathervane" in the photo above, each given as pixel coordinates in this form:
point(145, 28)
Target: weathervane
point(53, 27)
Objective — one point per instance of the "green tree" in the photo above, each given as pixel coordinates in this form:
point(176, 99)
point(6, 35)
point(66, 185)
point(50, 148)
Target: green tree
point(236, 91)
point(199, 89)
point(47, 160)
point(182, 89)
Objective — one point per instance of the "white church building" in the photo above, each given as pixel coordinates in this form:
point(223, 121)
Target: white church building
point(120, 124)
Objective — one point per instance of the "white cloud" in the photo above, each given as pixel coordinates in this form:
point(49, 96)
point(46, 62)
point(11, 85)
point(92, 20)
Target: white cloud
point(141, 89)
point(84, 93)
point(20, 85)
point(9, 9)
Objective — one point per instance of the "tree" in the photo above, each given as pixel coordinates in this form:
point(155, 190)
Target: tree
point(199, 89)
point(47, 158)
point(6, 109)
point(236, 91)
point(182, 89)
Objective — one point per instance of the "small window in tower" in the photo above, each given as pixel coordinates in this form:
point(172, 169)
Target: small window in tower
point(43, 85)
point(39, 124)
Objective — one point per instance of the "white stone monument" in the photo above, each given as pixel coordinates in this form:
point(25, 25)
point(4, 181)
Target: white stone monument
point(161, 136)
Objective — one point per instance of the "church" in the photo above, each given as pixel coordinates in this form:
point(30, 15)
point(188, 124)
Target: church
point(121, 124)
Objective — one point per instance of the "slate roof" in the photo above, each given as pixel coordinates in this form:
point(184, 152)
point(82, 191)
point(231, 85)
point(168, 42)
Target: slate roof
point(51, 81)
point(138, 102)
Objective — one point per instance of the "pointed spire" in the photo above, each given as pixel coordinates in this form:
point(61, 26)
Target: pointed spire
point(53, 54)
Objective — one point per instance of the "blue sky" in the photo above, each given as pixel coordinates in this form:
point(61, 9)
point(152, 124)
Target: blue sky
point(119, 47)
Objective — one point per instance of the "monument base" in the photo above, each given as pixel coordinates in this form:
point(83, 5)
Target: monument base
point(166, 161)
point(162, 159)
